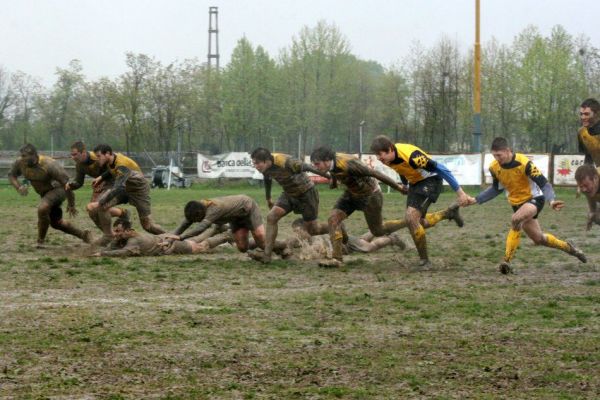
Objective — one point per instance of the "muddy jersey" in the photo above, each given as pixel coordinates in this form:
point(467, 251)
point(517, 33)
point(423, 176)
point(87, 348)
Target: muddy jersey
point(354, 174)
point(289, 173)
point(589, 143)
point(46, 175)
point(520, 177)
point(412, 164)
point(223, 210)
point(88, 167)
point(125, 168)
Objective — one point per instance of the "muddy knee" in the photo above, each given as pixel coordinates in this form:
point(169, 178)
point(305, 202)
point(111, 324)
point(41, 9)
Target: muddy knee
point(272, 218)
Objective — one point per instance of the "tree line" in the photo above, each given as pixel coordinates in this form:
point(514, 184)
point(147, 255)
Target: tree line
point(314, 92)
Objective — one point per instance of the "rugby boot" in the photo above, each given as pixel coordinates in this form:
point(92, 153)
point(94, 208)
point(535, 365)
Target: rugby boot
point(88, 236)
point(331, 263)
point(397, 241)
point(577, 252)
point(505, 268)
point(454, 215)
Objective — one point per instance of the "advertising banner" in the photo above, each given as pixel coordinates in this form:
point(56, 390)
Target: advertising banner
point(542, 161)
point(227, 165)
point(564, 168)
point(466, 168)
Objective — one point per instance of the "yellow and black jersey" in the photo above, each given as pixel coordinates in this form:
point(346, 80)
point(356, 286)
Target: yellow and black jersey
point(355, 174)
point(126, 172)
point(288, 172)
point(412, 164)
point(88, 167)
point(120, 162)
point(520, 178)
point(46, 175)
point(589, 143)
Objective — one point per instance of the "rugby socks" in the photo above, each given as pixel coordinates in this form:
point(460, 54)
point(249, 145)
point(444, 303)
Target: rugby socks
point(336, 236)
point(434, 218)
point(271, 234)
point(43, 225)
point(512, 243)
point(553, 241)
point(420, 242)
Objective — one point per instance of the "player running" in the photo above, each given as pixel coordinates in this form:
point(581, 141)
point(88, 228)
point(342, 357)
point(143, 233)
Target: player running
point(362, 193)
point(48, 178)
point(424, 178)
point(299, 193)
point(86, 163)
point(527, 190)
point(130, 186)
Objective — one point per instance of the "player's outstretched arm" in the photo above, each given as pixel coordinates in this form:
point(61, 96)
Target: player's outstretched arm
point(388, 181)
point(21, 189)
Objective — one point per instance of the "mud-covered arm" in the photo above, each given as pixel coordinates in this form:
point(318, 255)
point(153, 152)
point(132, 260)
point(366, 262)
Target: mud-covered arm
point(183, 226)
point(200, 227)
point(13, 174)
point(127, 251)
point(123, 173)
point(58, 174)
point(77, 182)
point(268, 182)
point(212, 230)
point(309, 168)
point(357, 168)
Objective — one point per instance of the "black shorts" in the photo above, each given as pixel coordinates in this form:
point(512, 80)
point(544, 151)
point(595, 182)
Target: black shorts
point(423, 193)
point(370, 205)
point(306, 204)
point(55, 198)
point(538, 202)
point(251, 221)
point(114, 196)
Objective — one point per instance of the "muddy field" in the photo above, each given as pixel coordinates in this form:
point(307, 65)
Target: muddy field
point(223, 326)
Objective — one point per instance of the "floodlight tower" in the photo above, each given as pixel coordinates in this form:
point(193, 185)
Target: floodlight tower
point(213, 33)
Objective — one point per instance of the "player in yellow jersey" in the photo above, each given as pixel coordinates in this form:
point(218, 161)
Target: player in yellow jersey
point(527, 190)
point(588, 182)
point(589, 133)
point(424, 178)
point(299, 193)
point(86, 163)
point(362, 193)
point(48, 178)
point(130, 186)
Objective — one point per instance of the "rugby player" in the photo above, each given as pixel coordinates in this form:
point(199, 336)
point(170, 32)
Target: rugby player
point(130, 186)
point(362, 193)
point(424, 178)
point(48, 179)
point(528, 191)
point(299, 193)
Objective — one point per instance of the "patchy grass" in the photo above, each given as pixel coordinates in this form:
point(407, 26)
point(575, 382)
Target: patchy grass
point(222, 326)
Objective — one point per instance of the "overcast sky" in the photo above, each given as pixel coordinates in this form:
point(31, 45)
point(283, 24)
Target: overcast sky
point(36, 36)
